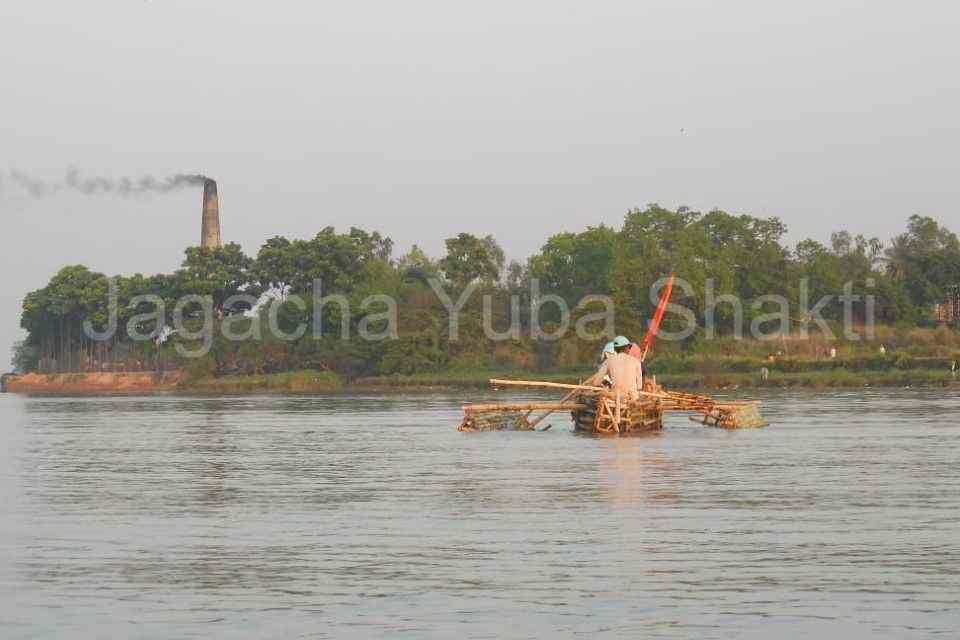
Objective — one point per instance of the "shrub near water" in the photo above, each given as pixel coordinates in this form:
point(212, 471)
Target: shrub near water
point(287, 381)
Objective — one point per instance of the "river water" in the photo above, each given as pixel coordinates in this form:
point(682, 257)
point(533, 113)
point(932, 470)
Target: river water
point(363, 516)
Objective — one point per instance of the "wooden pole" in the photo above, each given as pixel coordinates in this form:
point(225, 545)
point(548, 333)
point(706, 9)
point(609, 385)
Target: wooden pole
point(588, 382)
point(523, 406)
point(617, 415)
point(546, 385)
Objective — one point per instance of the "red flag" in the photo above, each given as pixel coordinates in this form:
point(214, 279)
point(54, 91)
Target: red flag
point(658, 315)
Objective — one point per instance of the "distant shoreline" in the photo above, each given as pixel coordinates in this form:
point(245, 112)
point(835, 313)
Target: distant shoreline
point(145, 383)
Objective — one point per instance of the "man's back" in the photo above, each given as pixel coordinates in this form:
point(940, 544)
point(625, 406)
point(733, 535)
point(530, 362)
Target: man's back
point(626, 373)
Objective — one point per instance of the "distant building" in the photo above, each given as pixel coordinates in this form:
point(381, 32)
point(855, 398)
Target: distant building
point(941, 313)
point(949, 310)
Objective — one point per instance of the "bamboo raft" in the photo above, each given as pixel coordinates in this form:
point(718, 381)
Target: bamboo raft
point(609, 414)
point(595, 409)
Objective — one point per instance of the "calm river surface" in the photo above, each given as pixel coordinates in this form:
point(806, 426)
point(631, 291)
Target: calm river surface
point(362, 516)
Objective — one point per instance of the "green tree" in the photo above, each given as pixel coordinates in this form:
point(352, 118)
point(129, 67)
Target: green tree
point(574, 265)
point(25, 357)
point(275, 266)
point(219, 272)
point(338, 261)
point(470, 258)
point(750, 248)
point(417, 266)
point(656, 242)
point(926, 259)
point(54, 315)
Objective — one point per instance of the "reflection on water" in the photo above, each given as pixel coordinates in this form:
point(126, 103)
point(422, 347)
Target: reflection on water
point(366, 516)
point(629, 472)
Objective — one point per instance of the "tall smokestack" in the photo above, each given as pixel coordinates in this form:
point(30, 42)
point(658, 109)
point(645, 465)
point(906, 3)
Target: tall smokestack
point(210, 233)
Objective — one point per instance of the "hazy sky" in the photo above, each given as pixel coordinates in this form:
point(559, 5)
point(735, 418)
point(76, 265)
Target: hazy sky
point(425, 118)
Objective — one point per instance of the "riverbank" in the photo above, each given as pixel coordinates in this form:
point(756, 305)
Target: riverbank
point(326, 382)
point(91, 383)
point(172, 382)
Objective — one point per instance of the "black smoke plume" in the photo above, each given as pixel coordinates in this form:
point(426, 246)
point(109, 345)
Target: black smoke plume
point(92, 186)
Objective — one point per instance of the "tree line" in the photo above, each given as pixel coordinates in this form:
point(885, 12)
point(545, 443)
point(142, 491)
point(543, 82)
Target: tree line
point(719, 254)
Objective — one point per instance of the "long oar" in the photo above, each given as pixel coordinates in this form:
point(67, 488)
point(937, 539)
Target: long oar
point(588, 382)
point(547, 385)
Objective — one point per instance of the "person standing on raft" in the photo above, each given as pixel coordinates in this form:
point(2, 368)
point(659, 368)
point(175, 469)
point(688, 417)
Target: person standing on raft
point(625, 370)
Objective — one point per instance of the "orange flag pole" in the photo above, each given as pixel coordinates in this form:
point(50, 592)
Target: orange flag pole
point(657, 316)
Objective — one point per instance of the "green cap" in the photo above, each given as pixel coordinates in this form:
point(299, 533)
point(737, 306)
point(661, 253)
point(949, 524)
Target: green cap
point(608, 348)
point(621, 341)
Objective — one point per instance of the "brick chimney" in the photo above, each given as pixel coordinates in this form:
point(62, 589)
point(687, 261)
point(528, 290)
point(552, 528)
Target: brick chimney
point(210, 233)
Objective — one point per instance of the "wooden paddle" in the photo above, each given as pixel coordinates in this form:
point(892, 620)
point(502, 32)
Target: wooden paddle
point(573, 392)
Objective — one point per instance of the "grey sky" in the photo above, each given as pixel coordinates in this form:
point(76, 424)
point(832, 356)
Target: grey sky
point(426, 118)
